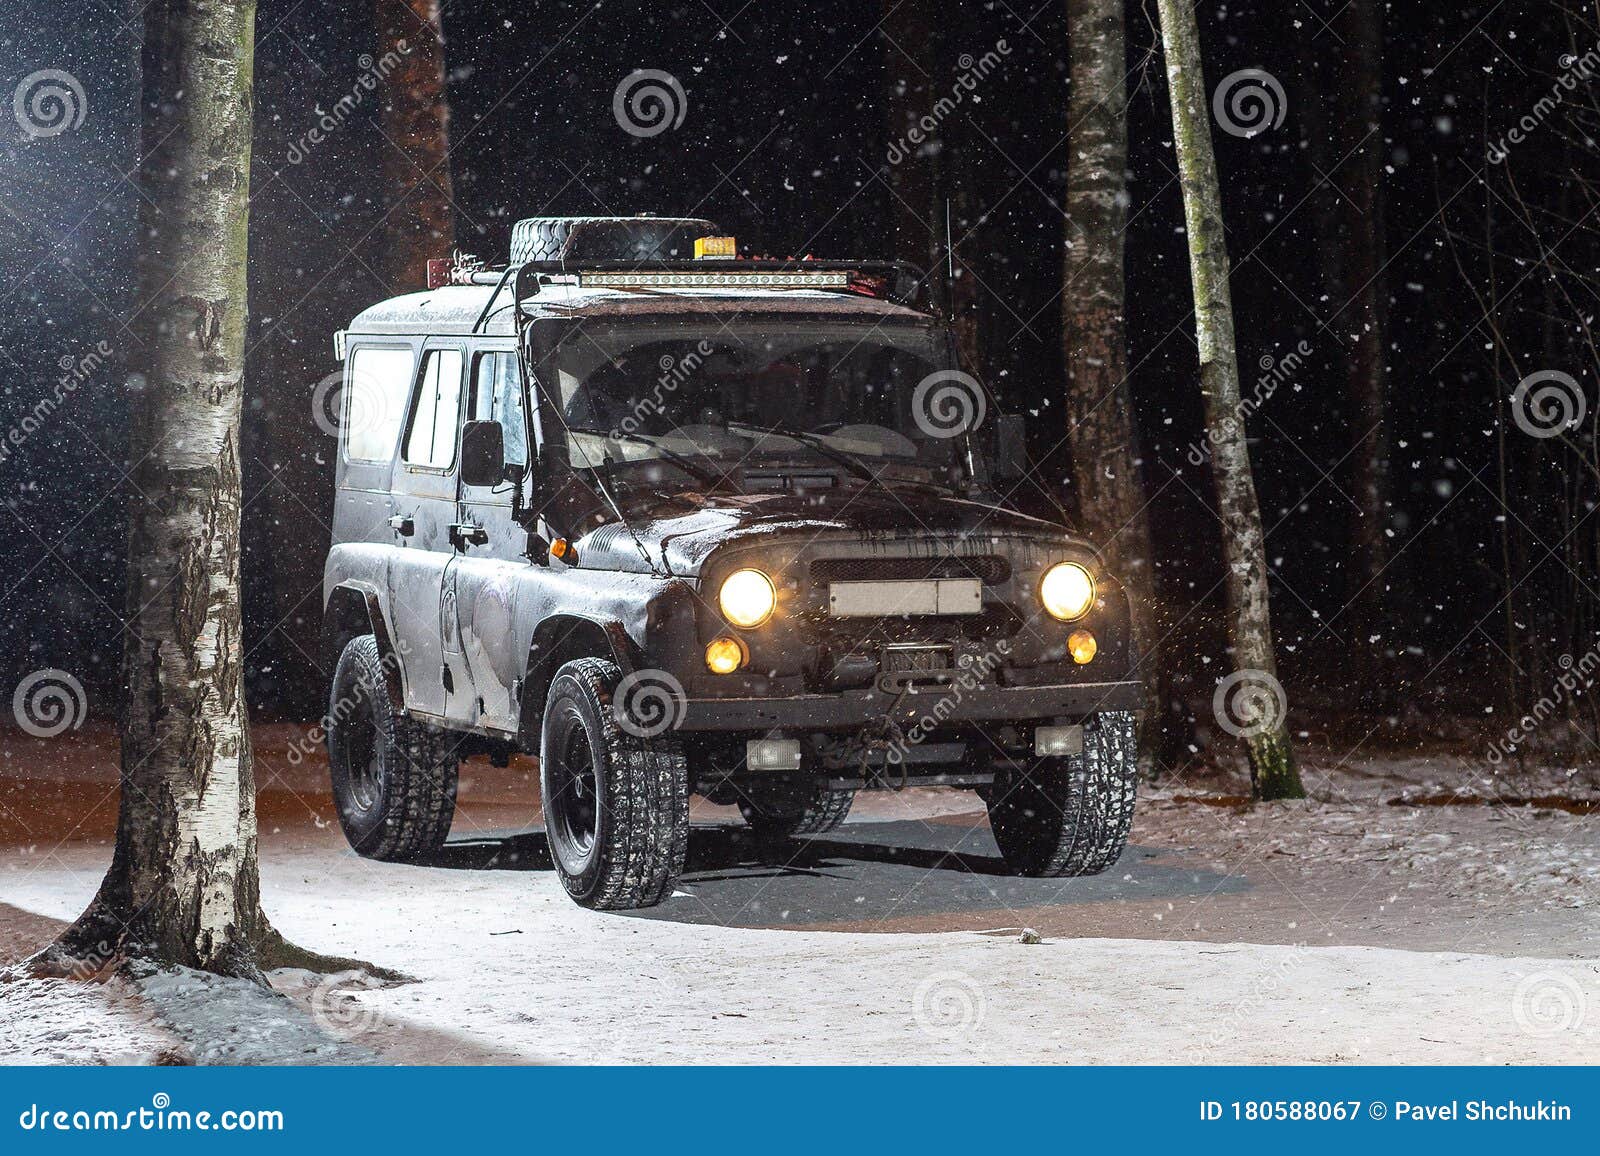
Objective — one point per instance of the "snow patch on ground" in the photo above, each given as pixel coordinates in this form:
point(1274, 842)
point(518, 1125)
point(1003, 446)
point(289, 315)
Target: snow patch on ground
point(65, 1021)
point(234, 1021)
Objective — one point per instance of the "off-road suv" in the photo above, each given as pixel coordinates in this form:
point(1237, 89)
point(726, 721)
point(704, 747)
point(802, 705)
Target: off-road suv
point(678, 522)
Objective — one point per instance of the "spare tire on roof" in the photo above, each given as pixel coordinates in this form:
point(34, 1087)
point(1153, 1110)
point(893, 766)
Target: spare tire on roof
point(607, 238)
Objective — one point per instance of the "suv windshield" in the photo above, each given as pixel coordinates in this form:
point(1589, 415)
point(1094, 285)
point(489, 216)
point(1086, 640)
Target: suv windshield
point(714, 392)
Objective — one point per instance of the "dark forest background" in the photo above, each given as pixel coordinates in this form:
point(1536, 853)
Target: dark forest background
point(1491, 276)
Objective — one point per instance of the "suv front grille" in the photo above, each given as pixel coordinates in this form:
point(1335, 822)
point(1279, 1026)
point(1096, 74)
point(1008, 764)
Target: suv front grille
point(990, 569)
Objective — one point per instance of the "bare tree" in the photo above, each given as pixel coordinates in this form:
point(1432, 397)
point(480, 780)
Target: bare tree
point(183, 887)
point(1272, 766)
point(1364, 299)
point(1101, 427)
point(416, 129)
point(914, 153)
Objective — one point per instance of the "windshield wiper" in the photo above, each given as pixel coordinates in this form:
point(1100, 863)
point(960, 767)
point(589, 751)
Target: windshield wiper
point(817, 442)
point(687, 465)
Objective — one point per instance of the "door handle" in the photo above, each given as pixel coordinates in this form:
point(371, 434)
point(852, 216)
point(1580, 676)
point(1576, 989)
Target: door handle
point(464, 534)
point(403, 524)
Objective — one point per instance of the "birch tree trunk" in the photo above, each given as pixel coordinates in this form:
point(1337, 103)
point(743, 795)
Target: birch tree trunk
point(416, 148)
point(1255, 708)
point(1101, 428)
point(183, 887)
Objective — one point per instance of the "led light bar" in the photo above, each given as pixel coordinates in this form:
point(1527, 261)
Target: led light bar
point(645, 279)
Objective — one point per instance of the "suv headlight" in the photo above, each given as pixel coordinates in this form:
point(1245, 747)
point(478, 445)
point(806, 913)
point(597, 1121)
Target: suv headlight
point(747, 598)
point(1067, 591)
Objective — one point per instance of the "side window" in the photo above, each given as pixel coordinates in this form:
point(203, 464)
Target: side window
point(432, 439)
point(374, 404)
point(497, 396)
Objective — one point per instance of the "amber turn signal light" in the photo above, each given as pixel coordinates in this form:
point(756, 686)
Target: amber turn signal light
point(1082, 646)
point(724, 656)
point(564, 550)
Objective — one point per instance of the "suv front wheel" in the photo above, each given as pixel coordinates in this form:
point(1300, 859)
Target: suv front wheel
point(616, 806)
point(394, 778)
point(1071, 815)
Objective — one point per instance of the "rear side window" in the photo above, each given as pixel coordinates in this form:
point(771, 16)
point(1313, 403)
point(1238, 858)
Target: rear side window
point(374, 404)
point(432, 439)
point(497, 396)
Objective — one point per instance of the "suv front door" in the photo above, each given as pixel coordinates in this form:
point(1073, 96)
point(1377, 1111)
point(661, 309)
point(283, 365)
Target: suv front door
point(424, 487)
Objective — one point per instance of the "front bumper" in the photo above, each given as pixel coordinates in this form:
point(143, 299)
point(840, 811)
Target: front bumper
point(855, 708)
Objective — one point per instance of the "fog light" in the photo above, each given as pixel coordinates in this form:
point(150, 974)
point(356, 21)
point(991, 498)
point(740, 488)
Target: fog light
point(772, 755)
point(1082, 646)
point(1053, 742)
point(724, 656)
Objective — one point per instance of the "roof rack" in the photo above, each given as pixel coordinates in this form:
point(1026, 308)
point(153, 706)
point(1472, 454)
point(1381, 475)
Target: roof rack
point(897, 281)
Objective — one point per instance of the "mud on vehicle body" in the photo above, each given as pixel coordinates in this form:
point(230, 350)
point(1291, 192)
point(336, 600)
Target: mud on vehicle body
point(684, 525)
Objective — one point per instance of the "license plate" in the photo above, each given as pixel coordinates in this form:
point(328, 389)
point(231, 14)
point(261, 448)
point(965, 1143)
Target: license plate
point(894, 599)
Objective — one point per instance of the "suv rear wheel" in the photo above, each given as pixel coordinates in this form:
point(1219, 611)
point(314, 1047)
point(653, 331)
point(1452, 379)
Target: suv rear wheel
point(1069, 816)
point(822, 812)
point(394, 779)
point(616, 807)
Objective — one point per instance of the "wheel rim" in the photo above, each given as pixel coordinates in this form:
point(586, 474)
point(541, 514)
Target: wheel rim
point(574, 791)
point(365, 764)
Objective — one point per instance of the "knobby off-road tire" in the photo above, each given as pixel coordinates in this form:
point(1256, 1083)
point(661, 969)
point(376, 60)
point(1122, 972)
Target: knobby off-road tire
point(825, 810)
point(1069, 816)
point(394, 778)
point(616, 807)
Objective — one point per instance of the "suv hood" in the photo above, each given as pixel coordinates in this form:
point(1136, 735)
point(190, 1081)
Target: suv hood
point(684, 529)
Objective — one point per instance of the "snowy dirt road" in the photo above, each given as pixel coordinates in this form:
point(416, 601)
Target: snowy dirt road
point(1347, 929)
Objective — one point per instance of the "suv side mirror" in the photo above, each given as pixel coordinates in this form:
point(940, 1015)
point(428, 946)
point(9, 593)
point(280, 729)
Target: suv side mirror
point(1010, 447)
point(483, 453)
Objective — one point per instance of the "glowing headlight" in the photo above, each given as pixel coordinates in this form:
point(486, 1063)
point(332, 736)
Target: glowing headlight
point(1067, 591)
point(747, 598)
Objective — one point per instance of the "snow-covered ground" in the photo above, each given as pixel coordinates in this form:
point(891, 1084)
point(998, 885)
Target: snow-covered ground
point(1344, 929)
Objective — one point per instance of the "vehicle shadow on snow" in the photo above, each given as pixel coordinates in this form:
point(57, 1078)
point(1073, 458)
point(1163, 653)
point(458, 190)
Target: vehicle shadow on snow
point(861, 873)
